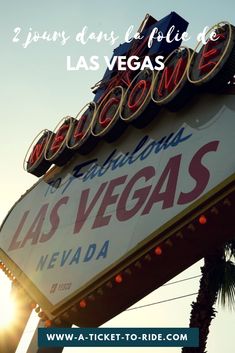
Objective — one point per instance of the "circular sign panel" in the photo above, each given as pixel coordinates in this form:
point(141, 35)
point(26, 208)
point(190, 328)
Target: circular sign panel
point(171, 86)
point(106, 122)
point(80, 137)
point(215, 62)
point(56, 151)
point(137, 100)
point(34, 161)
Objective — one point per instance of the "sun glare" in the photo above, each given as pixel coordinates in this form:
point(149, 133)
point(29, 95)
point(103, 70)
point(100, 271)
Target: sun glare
point(6, 303)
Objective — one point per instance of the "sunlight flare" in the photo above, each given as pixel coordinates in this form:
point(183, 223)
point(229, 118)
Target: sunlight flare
point(7, 305)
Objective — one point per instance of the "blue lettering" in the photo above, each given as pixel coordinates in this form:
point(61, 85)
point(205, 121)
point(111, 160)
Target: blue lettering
point(104, 250)
point(137, 148)
point(53, 260)
point(69, 257)
point(77, 168)
point(120, 161)
point(65, 256)
point(41, 263)
point(76, 256)
point(159, 145)
point(166, 143)
point(91, 173)
point(178, 138)
point(90, 252)
point(141, 152)
point(146, 152)
point(67, 183)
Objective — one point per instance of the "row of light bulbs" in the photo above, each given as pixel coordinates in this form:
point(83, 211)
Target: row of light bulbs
point(118, 279)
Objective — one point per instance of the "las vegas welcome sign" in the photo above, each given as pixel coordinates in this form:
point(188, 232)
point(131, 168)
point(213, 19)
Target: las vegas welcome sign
point(125, 207)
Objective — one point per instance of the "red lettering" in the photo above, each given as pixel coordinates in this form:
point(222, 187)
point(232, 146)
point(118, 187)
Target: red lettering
point(140, 195)
point(199, 173)
point(110, 105)
point(109, 199)
point(170, 177)
point(84, 210)
point(78, 132)
point(171, 76)
point(37, 152)
point(15, 244)
point(119, 79)
point(54, 219)
point(59, 137)
point(36, 227)
point(209, 52)
point(124, 78)
point(137, 94)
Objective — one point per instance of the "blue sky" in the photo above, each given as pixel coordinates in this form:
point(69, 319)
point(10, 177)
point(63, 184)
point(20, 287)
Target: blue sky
point(37, 91)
